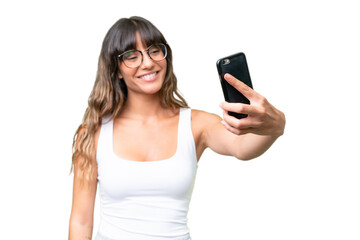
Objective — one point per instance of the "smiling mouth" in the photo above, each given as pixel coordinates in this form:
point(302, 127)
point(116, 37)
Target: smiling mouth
point(149, 77)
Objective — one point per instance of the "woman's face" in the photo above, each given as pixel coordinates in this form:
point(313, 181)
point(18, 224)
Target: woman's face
point(148, 78)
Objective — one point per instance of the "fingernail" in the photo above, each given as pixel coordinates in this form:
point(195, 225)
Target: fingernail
point(227, 76)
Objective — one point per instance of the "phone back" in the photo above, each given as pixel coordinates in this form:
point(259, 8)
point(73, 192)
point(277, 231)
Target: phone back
point(235, 65)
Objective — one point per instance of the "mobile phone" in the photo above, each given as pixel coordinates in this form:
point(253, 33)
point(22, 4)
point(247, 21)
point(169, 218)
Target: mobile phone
point(235, 65)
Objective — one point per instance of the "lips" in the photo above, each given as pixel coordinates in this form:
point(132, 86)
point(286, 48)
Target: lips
point(148, 76)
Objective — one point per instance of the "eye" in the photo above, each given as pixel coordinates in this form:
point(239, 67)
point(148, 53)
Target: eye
point(131, 56)
point(155, 50)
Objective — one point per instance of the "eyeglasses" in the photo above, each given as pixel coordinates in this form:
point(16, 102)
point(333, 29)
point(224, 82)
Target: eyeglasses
point(134, 58)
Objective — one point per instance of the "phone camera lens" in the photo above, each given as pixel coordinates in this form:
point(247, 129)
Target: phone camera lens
point(225, 61)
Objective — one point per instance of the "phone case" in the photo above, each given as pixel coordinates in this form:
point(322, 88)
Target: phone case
point(235, 65)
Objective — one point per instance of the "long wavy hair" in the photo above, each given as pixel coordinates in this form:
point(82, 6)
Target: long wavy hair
point(109, 93)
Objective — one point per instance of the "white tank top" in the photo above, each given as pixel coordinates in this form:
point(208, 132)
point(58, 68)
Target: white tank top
point(146, 200)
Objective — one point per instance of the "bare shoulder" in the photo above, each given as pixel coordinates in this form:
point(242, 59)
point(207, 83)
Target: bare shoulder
point(203, 114)
point(202, 121)
point(204, 118)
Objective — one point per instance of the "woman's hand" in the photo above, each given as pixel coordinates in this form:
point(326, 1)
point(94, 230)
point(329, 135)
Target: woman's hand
point(263, 118)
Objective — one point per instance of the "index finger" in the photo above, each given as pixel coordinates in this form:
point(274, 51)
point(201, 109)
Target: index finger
point(247, 91)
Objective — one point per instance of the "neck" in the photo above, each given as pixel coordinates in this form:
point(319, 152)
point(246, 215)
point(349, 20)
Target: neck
point(143, 106)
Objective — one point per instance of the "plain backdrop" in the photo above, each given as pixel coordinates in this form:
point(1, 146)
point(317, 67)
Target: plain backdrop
point(303, 57)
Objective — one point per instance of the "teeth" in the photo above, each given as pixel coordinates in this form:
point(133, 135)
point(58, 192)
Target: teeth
point(147, 77)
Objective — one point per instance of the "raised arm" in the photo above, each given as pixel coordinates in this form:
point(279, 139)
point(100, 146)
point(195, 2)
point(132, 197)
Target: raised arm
point(245, 138)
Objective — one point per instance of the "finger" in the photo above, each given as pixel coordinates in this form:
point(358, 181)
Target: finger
point(247, 91)
point(238, 108)
point(235, 130)
point(244, 123)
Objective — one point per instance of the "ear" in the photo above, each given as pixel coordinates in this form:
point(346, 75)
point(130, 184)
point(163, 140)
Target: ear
point(118, 71)
point(119, 75)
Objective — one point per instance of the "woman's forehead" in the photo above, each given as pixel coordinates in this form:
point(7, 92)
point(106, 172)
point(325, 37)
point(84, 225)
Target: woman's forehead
point(141, 43)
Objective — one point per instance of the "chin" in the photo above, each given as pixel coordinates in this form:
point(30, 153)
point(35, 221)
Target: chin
point(153, 89)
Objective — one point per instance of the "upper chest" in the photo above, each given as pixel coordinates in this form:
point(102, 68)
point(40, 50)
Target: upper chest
point(151, 140)
point(154, 139)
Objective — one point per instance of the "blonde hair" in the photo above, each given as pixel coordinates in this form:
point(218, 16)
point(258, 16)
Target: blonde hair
point(110, 93)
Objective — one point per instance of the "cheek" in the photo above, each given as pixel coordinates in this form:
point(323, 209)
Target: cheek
point(164, 66)
point(125, 72)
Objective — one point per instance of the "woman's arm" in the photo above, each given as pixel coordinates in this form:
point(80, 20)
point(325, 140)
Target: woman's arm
point(245, 138)
point(81, 219)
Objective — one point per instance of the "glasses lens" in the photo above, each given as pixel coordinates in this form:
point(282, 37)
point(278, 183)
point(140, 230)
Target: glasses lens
point(132, 58)
point(157, 52)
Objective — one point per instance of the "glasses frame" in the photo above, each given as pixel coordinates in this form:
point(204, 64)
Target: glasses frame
point(142, 55)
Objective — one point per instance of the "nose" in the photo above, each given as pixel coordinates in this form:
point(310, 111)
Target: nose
point(147, 62)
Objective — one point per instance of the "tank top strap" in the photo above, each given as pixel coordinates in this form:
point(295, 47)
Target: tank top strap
point(186, 139)
point(105, 141)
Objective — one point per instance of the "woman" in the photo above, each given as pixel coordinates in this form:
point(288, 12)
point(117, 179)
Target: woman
point(141, 141)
